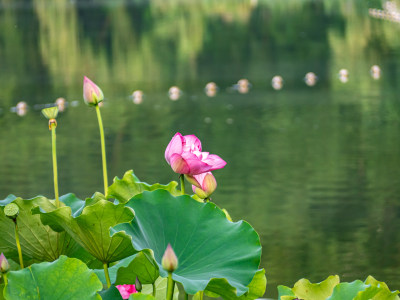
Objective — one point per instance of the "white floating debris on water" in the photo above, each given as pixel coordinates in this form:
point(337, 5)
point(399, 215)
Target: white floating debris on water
point(137, 97)
point(375, 72)
point(229, 121)
point(211, 89)
point(207, 120)
point(343, 75)
point(174, 93)
point(21, 108)
point(277, 82)
point(243, 86)
point(60, 102)
point(310, 79)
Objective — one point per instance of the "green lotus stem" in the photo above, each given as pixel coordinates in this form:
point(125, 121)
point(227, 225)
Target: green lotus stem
point(201, 293)
point(103, 149)
point(182, 177)
point(55, 172)
point(186, 296)
point(105, 266)
point(170, 287)
point(154, 289)
point(21, 261)
point(5, 278)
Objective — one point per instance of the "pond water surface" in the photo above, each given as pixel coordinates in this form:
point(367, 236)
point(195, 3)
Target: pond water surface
point(315, 169)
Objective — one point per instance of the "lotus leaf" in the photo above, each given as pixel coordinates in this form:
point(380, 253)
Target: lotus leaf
point(346, 290)
point(221, 288)
point(91, 228)
point(63, 279)
point(331, 289)
point(38, 242)
point(111, 294)
point(141, 265)
point(208, 246)
point(161, 289)
point(383, 292)
point(127, 187)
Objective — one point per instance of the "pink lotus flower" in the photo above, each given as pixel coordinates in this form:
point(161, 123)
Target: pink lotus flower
point(184, 155)
point(92, 94)
point(203, 185)
point(126, 290)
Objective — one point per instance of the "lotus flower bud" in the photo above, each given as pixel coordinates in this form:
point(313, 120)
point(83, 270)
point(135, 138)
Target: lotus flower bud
point(4, 265)
point(92, 94)
point(51, 114)
point(138, 284)
point(203, 185)
point(169, 260)
point(11, 211)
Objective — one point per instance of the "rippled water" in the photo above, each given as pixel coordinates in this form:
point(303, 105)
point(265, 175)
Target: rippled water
point(315, 170)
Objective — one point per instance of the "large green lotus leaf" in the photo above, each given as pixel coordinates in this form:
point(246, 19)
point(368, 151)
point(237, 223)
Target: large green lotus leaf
point(91, 261)
point(141, 265)
point(111, 294)
point(207, 245)
point(63, 279)
point(161, 289)
point(91, 228)
point(112, 270)
point(10, 198)
point(38, 242)
point(346, 290)
point(221, 288)
point(75, 203)
point(383, 292)
point(304, 289)
point(284, 291)
point(127, 187)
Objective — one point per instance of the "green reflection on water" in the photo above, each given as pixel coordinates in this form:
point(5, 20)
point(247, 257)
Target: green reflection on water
point(314, 170)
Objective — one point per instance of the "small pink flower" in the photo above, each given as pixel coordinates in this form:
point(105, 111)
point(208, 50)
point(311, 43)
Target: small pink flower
point(203, 185)
point(92, 94)
point(184, 155)
point(126, 290)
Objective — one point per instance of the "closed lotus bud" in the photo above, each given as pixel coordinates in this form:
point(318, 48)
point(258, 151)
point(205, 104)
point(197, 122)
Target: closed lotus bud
point(11, 211)
point(203, 185)
point(138, 284)
point(169, 260)
point(4, 265)
point(92, 94)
